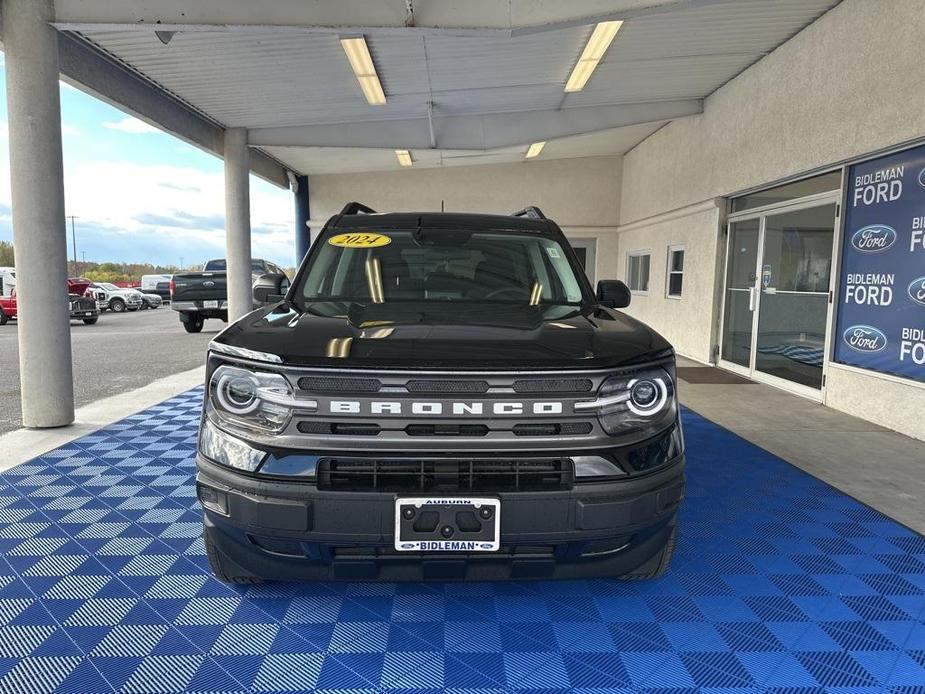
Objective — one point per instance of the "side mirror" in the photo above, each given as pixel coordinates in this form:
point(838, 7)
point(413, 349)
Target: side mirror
point(613, 294)
point(270, 288)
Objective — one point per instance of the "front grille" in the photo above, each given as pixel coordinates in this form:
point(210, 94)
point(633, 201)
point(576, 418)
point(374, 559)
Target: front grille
point(404, 475)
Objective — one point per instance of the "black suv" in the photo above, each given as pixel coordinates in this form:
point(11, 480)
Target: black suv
point(439, 396)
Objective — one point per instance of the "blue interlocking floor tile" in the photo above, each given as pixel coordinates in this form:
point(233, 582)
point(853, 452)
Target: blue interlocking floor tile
point(780, 584)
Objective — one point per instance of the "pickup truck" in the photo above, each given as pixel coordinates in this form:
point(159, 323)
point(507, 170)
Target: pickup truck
point(83, 307)
point(439, 396)
point(201, 295)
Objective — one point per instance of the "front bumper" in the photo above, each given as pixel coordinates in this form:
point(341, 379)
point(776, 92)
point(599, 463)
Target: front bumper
point(291, 530)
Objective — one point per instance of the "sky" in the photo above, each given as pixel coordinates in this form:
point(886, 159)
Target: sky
point(141, 195)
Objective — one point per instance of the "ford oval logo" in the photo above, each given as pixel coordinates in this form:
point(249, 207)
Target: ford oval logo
point(917, 291)
point(407, 545)
point(864, 338)
point(922, 178)
point(874, 238)
point(208, 283)
point(486, 545)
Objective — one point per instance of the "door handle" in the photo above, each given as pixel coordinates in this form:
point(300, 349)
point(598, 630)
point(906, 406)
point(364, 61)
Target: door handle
point(752, 294)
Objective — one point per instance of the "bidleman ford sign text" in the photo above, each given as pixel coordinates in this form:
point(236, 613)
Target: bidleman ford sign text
point(881, 317)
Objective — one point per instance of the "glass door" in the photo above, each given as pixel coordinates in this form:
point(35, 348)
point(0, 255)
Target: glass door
point(796, 269)
point(776, 303)
point(741, 295)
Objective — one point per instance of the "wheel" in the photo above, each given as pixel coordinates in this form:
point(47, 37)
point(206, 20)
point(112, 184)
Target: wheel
point(144, 305)
point(91, 321)
point(222, 567)
point(117, 306)
point(657, 565)
point(194, 324)
point(3, 317)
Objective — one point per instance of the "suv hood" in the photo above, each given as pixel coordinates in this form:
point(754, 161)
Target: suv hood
point(421, 336)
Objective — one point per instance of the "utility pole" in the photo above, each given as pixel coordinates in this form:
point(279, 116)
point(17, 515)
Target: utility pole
point(181, 263)
point(83, 257)
point(72, 217)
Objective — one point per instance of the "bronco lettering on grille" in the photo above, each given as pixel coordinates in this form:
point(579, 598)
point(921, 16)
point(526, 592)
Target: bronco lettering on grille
point(433, 408)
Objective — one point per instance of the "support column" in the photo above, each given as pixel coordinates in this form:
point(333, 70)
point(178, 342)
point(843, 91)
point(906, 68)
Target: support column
point(238, 223)
point(303, 235)
point(30, 46)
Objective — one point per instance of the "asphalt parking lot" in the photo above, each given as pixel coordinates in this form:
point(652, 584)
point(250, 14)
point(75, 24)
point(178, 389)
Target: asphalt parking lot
point(120, 353)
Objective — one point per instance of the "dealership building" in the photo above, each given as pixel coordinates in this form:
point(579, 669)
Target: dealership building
point(752, 170)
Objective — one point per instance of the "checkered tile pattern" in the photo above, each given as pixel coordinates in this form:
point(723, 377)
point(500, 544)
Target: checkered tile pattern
point(780, 584)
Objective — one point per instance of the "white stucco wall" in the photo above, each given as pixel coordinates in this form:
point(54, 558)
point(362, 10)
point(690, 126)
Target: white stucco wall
point(581, 195)
point(846, 86)
point(685, 321)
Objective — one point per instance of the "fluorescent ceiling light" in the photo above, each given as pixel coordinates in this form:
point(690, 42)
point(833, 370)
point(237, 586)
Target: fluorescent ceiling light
point(535, 149)
point(404, 157)
point(598, 44)
point(362, 63)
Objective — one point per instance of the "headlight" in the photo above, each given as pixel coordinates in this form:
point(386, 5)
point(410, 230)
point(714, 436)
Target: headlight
point(223, 448)
point(641, 402)
point(251, 399)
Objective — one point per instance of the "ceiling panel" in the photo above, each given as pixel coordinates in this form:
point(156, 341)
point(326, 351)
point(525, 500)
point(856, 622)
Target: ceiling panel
point(262, 78)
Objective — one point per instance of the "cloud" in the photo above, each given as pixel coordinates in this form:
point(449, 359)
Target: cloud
point(182, 220)
point(174, 186)
point(131, 125)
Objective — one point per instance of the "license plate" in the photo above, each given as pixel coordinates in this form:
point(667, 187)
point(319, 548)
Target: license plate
point(88, 314)
point(431, 524)
point(210, 304)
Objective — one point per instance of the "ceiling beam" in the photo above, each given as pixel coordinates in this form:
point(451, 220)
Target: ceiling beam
point(470, 18)
point(95, 72)
point(474, 132)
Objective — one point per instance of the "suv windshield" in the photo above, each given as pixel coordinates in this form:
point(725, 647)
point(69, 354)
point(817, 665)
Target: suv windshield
point(443, 265)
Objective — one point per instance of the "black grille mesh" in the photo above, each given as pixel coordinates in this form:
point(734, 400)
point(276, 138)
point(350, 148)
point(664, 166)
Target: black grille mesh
point(553, 385)
point(553, 429)
point(333, 384)
point(418, 386)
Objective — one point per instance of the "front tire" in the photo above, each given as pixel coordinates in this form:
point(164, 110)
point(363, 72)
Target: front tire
point(91, 321)
point(117, 306)
point(194, 324)
point(658, 564)
point(3, 317)
point(223, 568)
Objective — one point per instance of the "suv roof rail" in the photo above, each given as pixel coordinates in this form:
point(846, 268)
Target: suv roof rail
point(357, 208)
point(531, 211)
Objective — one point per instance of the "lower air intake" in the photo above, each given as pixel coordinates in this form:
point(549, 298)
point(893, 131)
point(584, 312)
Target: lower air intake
point(404, 475)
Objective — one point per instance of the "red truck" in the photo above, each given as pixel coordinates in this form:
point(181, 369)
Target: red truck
point(82, 307)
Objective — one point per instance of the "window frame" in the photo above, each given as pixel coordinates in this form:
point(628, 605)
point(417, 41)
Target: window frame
point(672, 249)
point(640, 253)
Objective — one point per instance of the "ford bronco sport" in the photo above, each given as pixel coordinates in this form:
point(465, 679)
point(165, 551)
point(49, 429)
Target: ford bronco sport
point(439, 396)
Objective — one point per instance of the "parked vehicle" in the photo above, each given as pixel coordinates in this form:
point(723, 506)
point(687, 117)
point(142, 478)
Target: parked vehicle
point(116, 299)
point(7, 280)
point(147, 300)
point(82, 307)
point(157, 284)
point(443, 397)
point(201, 295)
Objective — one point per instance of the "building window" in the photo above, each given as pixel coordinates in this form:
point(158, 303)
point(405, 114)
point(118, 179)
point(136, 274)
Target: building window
point(675, 271)
point(637, 272)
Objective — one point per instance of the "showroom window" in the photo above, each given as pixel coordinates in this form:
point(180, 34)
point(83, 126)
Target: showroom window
point(675, 281)
point(637, 272)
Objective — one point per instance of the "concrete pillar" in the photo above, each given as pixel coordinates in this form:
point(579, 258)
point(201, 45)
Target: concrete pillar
point(303, 236)
point(238, 223)
point(39, 235)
